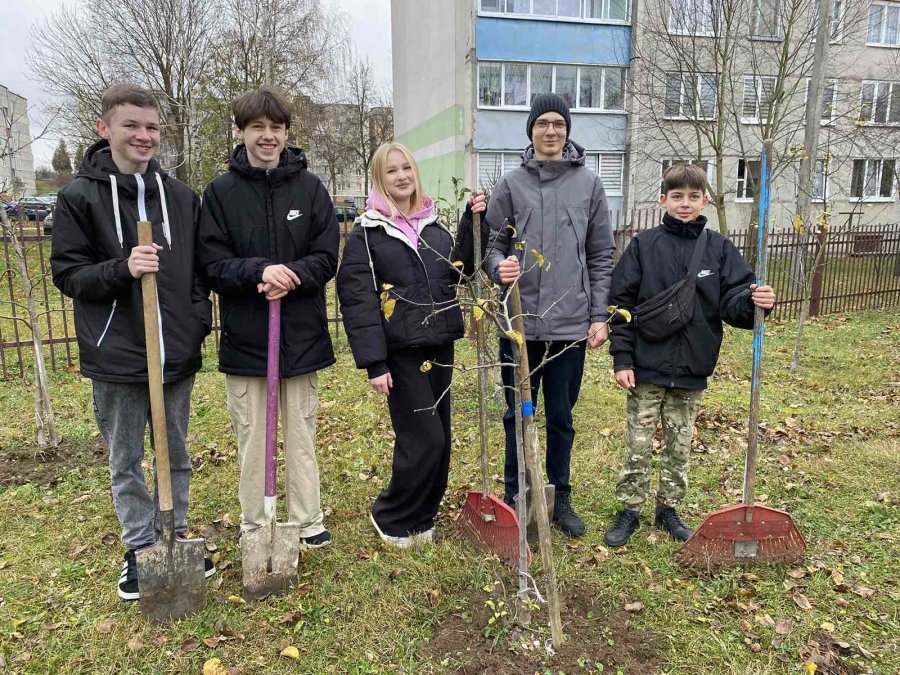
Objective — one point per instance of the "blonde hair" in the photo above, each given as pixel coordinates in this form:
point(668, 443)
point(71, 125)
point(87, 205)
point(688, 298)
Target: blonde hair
point(379, 174)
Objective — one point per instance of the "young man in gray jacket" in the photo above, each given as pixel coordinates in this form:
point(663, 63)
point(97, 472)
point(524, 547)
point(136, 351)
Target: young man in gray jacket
point(556, 206)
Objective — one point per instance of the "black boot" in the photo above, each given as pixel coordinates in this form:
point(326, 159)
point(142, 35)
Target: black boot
point(627, 521)
point(565, 518)
point(668, 519)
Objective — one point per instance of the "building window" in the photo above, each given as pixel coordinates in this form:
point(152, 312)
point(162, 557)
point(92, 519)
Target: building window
point(766, 19)
point(884, 24)
point(820, 187)
point(759, 92)
point(880, 102)
point(706, 165)
point(829, 100)
point(609, 166)
point(490, 77)
point(747, 179)
point(586, 88)
point(837, 22)
point(590, 10)
point(694, 17)
point(691, 96)
point(873, 179)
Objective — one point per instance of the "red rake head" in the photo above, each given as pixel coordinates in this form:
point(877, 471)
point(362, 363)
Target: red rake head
point(493, 525)
point(743, 534)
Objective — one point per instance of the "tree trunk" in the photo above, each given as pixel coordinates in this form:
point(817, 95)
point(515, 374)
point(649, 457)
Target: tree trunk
point(805, 302)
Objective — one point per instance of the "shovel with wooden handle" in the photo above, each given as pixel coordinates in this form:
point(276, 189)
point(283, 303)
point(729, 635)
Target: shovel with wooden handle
point(170, 573)
point(269, 553)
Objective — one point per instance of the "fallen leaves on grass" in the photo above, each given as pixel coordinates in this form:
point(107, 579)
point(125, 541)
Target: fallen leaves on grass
point(784, 627)
point(802, 601)
point(290, 652)
point(190, 645)
point(105, 627)
point(634, 607)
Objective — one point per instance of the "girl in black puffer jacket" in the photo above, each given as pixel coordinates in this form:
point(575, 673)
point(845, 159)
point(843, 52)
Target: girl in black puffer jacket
point(397, 291)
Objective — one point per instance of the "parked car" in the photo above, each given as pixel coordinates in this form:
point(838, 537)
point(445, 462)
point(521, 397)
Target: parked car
point(36, 208)
point(14, 209)
point(48, 224)
point(345, 214)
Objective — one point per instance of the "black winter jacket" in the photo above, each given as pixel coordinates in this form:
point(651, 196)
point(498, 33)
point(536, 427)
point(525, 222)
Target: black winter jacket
point(423, 285)
point(656, 259)
point(252, 218)
point(89, 260)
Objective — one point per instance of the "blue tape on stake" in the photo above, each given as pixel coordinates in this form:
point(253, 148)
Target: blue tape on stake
point(527, 409)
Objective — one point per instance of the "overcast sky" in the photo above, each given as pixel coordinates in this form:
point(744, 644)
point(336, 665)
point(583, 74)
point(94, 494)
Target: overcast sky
point(368, 21)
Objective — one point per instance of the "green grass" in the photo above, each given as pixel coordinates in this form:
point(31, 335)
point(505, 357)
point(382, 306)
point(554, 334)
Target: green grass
point(829, 455)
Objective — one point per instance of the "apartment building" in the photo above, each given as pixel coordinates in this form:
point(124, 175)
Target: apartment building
point(465, 73)
point(708, 80)
point(16, 161)
point(711, 79)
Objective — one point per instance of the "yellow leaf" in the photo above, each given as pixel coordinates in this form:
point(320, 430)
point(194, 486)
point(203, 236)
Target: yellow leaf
point(387, 308)
point(236, 600)
point(386, 287)
point(458, 264)
point(291, 652)
point(513, 231)
point(811, 668)
point(624, 312)
point(516, 337)
point(478, 312)
point(214, 667)
point(425, 367)
point(520, 245)
point(827, 625)
point(538, 257)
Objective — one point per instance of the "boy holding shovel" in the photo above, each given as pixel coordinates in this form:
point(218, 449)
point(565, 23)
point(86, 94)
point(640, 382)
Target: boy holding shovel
point(97, 261)
point(268, 232)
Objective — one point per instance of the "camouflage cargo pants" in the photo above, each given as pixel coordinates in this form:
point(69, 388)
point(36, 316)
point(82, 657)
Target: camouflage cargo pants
point(678, 408)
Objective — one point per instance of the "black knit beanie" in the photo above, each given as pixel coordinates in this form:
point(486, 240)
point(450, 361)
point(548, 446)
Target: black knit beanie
point(549, 103)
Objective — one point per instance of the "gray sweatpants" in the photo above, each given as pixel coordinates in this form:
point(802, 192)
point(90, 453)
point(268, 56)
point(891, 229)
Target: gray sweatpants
point(122, 411)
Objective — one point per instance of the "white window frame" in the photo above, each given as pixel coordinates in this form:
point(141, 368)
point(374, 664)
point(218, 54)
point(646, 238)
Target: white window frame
point(715, 14)
point(826, 183)
point(596, 156)
point(893, 90)
point(778, 36)
point(710, 168)
point(869, 162)
point(528, 66)
point(581, 18)
point(882, 33)
point(835, 83)
point(742, 183)
point(682, 103)
point(758, 97)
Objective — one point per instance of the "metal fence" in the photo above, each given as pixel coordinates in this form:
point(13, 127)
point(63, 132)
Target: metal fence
point(859, 269)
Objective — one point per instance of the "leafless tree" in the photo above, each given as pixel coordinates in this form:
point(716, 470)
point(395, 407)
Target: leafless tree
point(47, 433)
point(370, 121)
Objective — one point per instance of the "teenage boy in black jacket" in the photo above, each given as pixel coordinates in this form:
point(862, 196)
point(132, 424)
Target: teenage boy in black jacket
point(268, 231)
point(97, 261)
point(667, 377)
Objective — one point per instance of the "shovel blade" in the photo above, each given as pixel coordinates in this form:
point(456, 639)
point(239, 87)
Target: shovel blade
point(269, 559)
point(171, 579)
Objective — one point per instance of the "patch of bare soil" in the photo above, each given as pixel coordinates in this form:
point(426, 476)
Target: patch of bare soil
point(22, 465)
point(465, 643)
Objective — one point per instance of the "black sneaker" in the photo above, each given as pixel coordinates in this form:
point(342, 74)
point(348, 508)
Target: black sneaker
point(128, 579)
point(668, 519)
point(208, 568)
point(565, 517)
point(627, 521)
point(317, 540)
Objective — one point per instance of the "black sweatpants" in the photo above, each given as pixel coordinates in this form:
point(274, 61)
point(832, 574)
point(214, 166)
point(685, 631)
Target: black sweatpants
point(422, 446)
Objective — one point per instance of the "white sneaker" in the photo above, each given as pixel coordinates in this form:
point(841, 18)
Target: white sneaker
point(426, 537)
point(399, 542)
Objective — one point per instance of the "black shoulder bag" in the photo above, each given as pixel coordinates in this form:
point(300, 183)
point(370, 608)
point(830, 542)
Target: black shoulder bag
point(669, 311)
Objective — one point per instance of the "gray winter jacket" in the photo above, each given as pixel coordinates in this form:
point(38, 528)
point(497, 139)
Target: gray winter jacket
point(559, 209)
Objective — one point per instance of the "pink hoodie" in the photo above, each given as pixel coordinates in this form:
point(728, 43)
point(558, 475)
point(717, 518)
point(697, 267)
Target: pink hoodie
point(410, 225)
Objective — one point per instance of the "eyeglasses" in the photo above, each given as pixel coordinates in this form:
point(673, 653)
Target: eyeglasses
point(558, 125)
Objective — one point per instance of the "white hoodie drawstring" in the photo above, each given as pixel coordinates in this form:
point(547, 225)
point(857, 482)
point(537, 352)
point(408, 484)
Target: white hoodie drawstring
point(167, 233)
point(115, 200)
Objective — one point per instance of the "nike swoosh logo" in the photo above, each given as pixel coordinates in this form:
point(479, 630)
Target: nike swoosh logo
point(293, 215)
point(704, 273)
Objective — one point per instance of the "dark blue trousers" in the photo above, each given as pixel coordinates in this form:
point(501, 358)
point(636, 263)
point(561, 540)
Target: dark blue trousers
point(561, 380)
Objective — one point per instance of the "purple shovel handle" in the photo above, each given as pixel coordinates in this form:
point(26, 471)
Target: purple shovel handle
point(272, 387)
